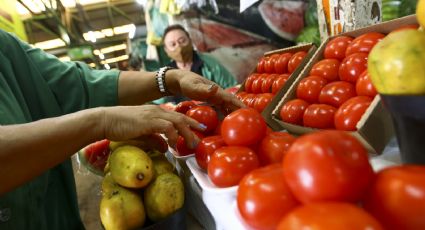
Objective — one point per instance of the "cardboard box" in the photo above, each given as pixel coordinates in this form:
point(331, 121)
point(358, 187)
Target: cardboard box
point(310, 49)
point(375, 128)
point(339, 16)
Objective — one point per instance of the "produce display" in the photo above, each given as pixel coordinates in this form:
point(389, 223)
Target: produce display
point(319, 180)
point(272, 73)
point(139, 188)
point(322, 179)
point(337, 90)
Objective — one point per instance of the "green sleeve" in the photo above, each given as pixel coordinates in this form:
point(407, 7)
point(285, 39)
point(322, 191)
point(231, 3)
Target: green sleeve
point(216, 72)
point(74, 84)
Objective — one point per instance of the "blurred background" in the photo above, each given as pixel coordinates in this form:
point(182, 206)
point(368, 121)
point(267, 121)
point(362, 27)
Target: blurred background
point(103, 33)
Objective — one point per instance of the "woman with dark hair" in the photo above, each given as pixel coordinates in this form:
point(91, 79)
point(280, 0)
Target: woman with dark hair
point(178, 46)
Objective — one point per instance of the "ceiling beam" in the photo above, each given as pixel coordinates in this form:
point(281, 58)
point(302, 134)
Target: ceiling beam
point(116, 9)
point(102, 5)
point(110, 15)
point(44, 28)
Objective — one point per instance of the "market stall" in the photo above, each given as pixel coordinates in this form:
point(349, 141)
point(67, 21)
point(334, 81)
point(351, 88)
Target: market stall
point(330, 136)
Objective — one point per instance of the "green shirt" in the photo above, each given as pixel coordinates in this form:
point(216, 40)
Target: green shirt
point(35, 85)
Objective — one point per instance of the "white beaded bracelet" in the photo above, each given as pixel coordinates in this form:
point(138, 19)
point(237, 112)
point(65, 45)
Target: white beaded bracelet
point(160, 78)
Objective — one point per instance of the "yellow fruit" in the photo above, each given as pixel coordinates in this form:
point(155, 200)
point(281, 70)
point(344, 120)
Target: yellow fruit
point(131, 167)
point(164, 196)
point(420, 12)
point(161, 165)
point(397, 63)
point(111, 214)
point(108, 184)
point(106, 169)
point(115, 144)
point(122, 209)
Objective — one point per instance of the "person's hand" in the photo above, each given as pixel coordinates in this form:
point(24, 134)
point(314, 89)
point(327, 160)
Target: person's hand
point(138, 122)
point(196, 87)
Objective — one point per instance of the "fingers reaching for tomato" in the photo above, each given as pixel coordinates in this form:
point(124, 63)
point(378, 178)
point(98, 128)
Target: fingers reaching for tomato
point(205, 115)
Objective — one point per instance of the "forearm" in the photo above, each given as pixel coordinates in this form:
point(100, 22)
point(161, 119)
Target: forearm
point(136, 88)
point(28, 150)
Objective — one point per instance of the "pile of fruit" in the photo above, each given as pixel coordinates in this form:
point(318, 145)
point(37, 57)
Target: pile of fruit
point(322, 179)
point(338, 89)
point(271, 75)
point(325, 181)
point(138, 187)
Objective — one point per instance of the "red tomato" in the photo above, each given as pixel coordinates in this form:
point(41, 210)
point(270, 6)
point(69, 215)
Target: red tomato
point(182, 148)
point(229, 164)
point(97, 154)
point(258, 83)
point(269, 64)
point(349, 114)
point(364, 43)
point(206, 148)
point(364, 86)
point(251, 100)
point(397, 197)
point(352, 66)
point(336, 47)
point(273, 147)
point(205, 115)
point(320, 116)
point(248, 98)
point(329, 216)
point(264, 198)
point(326, 68)
point(268, 82)
point(336, 93)
point(309, 88)
point(293, 111)
point(260, 65)
point(241, 95)
point(243, 127)
point(279, 82)
point(295, 60)
point(263, 100)
point(281, 63)
point(327, 165)
point(249, 81)
point(184, 106)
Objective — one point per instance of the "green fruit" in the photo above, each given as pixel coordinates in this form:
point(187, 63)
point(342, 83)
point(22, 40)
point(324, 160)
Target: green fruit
point(122, 209)
point(164, 196)
point(396, 64)
point(131, 167)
